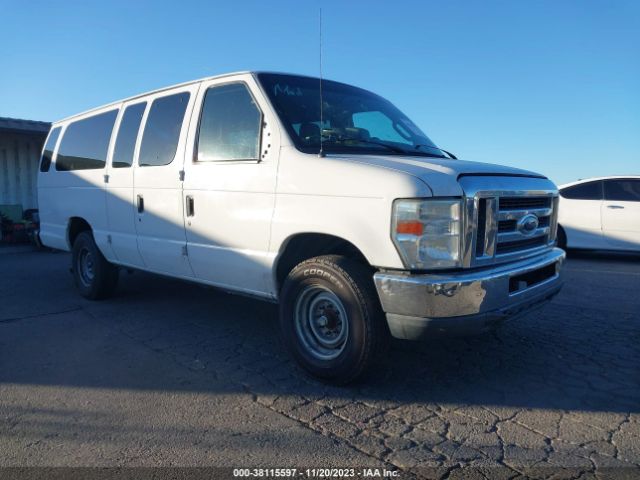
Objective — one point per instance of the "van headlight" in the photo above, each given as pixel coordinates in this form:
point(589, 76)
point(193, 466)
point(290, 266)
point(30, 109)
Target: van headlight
point(427, 232)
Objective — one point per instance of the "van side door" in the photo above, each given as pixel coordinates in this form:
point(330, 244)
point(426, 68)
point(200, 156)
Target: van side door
point(119, 182)
point(157, 180)
point(229, 187)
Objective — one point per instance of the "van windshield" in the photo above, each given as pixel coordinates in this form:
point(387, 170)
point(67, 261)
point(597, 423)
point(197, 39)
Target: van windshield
point(353, 120)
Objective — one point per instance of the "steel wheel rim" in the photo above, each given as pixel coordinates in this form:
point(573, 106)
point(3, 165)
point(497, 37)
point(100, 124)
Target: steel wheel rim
point(321, 322)
point(86, 266)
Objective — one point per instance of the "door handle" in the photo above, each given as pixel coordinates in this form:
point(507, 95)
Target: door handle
point(140, 204)
point(190, 206)
point(615, 207)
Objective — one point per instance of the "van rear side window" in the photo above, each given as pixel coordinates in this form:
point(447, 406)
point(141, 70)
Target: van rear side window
point(127, 135)
point(47, 153)
point(162, 130)
point(85, 143)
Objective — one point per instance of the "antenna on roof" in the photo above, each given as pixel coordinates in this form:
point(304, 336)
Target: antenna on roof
point(321, 152)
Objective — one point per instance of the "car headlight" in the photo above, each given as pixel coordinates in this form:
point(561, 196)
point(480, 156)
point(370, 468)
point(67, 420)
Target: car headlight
point(427, 232)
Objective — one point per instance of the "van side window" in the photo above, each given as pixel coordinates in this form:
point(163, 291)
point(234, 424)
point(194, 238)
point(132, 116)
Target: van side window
point(47, 152)
point(162, 130)
point(85, 143)
point(229, 125)
point(127, 135)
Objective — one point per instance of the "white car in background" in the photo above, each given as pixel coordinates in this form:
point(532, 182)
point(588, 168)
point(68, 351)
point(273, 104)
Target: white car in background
point(600, 213)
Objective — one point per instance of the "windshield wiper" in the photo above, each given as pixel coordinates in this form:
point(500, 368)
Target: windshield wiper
point(451, 155)
point(373, 142)
point(392, 147)
point(397, 149)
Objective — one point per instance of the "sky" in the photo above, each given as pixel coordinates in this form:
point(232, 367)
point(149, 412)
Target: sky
point(550, 86)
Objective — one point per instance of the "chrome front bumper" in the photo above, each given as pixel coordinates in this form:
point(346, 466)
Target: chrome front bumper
point(467, 302)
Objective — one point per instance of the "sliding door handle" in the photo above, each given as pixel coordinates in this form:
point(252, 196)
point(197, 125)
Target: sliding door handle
point(615, 207)
point(140, 204)
point(190, 206)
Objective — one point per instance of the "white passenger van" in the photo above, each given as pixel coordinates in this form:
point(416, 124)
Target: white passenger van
point(349, 216)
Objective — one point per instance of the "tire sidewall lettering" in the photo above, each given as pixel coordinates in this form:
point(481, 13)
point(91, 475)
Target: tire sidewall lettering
point(324, 274)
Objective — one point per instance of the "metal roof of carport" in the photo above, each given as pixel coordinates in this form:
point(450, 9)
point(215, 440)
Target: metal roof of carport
point(17, 125)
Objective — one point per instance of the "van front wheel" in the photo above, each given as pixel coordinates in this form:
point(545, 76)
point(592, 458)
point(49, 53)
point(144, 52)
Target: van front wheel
point(94, 276)
point(331, 319)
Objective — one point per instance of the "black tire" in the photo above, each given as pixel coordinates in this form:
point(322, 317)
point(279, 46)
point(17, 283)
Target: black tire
point(562, 238)
point(332, 277)
point(94, 276)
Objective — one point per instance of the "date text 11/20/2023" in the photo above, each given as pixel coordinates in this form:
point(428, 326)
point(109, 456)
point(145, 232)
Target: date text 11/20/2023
point(315, 473)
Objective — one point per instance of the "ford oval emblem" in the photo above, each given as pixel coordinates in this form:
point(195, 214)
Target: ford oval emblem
point(528, 224)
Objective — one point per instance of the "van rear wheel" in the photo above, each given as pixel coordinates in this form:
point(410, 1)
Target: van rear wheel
point(331, 319)
point(94, 276)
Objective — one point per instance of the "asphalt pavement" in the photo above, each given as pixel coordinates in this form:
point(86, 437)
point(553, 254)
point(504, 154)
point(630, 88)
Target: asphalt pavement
point(171, 374)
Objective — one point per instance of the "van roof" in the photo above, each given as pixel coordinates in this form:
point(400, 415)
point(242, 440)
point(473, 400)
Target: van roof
point(183, 84)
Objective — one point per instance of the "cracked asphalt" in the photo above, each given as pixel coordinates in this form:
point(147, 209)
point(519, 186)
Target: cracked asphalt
point(172, 374)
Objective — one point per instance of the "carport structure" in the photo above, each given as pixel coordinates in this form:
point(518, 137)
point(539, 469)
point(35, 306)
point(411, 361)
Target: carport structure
point(20, 146)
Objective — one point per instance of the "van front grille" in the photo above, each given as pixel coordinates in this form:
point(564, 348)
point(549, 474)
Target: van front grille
point(517, 245)
point(506, 226)
point(520, 203)
point(482, 224)
point(512, 225)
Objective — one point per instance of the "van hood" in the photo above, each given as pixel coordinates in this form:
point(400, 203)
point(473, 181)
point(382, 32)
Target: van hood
point(440, 174)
